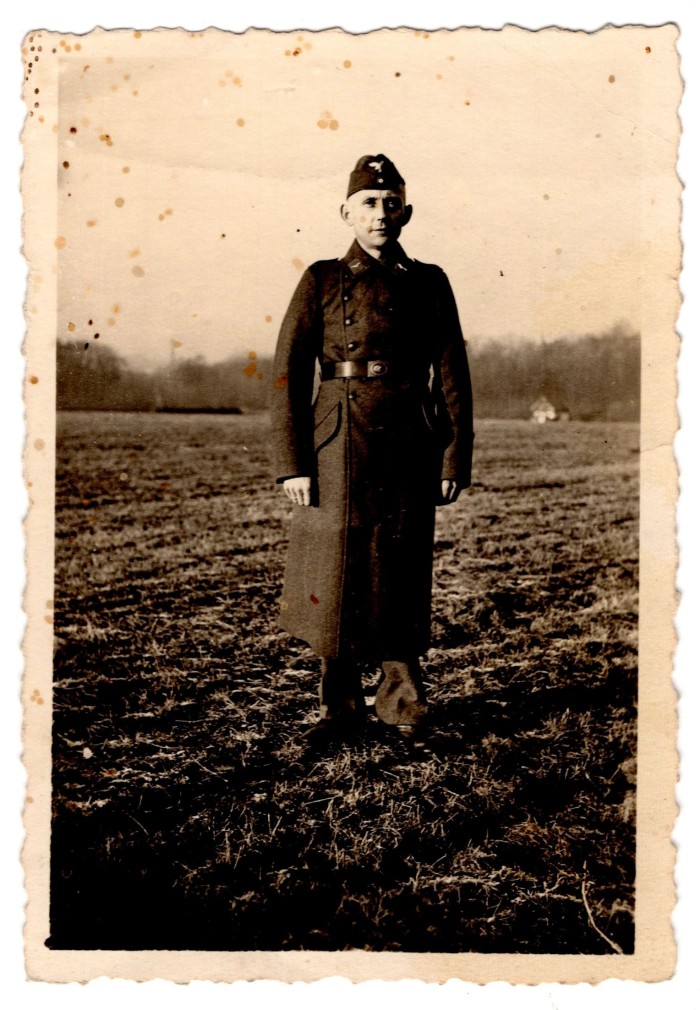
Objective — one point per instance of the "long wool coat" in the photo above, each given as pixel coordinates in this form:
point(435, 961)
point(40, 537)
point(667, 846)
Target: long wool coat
point(359, 566)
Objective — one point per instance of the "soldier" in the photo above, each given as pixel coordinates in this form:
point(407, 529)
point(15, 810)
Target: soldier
point(388, 437)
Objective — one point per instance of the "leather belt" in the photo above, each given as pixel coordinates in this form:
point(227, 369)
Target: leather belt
point(356, 369)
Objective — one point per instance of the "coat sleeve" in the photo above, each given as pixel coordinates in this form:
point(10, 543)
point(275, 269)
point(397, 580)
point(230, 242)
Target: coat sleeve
point(453, 389)
point(292, 383)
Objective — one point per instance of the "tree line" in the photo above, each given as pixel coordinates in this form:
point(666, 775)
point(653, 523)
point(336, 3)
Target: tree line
point(595, 376)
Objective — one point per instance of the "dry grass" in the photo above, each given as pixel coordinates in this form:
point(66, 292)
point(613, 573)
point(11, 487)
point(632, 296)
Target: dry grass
point(186, 812)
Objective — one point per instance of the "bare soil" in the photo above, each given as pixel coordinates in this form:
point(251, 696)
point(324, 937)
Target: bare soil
point(187, 813)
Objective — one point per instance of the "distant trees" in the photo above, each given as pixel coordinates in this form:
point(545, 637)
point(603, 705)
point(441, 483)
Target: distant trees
point(596, 376)
point(97, 378)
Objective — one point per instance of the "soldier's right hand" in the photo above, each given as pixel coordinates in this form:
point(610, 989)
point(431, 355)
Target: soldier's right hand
point(298, 490)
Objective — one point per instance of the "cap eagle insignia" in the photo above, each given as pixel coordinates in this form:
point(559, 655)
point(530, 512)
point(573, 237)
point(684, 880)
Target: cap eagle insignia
point(376, 165)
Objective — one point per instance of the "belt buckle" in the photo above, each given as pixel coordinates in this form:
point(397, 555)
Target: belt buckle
point(378, 368)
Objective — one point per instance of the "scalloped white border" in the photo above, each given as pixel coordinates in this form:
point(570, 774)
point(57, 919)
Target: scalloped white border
point(81, 17)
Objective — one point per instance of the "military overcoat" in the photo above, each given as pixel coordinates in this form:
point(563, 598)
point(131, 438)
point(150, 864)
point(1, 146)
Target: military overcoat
point(359, 565)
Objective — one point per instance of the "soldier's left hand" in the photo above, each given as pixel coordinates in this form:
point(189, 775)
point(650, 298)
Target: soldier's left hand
point(450, 491)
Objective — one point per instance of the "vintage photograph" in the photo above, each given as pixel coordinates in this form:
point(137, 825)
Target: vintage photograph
point(349, 372)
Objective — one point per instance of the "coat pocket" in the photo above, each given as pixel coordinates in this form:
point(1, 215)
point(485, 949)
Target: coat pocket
point(437, 422)
point(328, 427)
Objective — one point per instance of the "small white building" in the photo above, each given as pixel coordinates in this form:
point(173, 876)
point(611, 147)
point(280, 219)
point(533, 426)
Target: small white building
point(542, 410)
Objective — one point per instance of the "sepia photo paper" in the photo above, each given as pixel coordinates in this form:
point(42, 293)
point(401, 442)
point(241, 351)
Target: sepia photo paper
point(200, 207)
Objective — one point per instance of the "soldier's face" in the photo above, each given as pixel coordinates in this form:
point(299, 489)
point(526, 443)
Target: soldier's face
point(376, 216)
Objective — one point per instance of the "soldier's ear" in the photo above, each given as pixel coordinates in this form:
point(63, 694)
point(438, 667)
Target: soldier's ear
point(407, 214)
point(346, 213)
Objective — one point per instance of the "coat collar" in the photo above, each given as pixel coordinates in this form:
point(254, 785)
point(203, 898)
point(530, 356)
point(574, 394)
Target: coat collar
point(356, 261)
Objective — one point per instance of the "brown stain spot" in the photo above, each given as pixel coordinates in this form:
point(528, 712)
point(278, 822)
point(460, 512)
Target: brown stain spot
point(126, 170)
point(222, 83)
point(39, 444)
point(69, 49)
point(106, 139)
point(250, 369)
point(33, 379)
point(132, 255)
point(296, 52)
point(438, 77)
point(36, 697)
point(135, 94)
point(138, 271)
point(78, 47)
point(41, 119)
point(314, 599)
point(451, 59)
point(110, 59)
point(119, 202)
point(545, 196)
point(288, 52)
point(323, 123)
point(467, 102)
point(240, 122)
point(66, 164)
point(95, 336)
point(347, 64)
point(116, 308)
point(426, 35)
point(281, 382)
point(73, 129)
point(268, 319)
point(283, 605)
point(557, 251)
point(55, 127)
point(176, 343)
point(647, 50)
point(296, 262)
point(111, 321)
point(30, 799)
point(91, 223)
point(611, 79)
point(114, 87)
point(397, 73)
point(333, 125)
point(60, 242)
point(137, 35)
point(71, 327)
point(49, 620)
point(161, 217)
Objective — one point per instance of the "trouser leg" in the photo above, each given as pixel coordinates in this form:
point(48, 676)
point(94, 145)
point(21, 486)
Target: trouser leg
point(400, 698)
point(340, 691)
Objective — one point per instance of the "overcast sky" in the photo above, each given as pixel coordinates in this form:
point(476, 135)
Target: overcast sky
point(204, 173)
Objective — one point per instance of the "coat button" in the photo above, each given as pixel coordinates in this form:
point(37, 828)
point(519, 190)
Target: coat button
point(346, 298)
point(352, 395)
point(348, 321)
point(353, 345)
